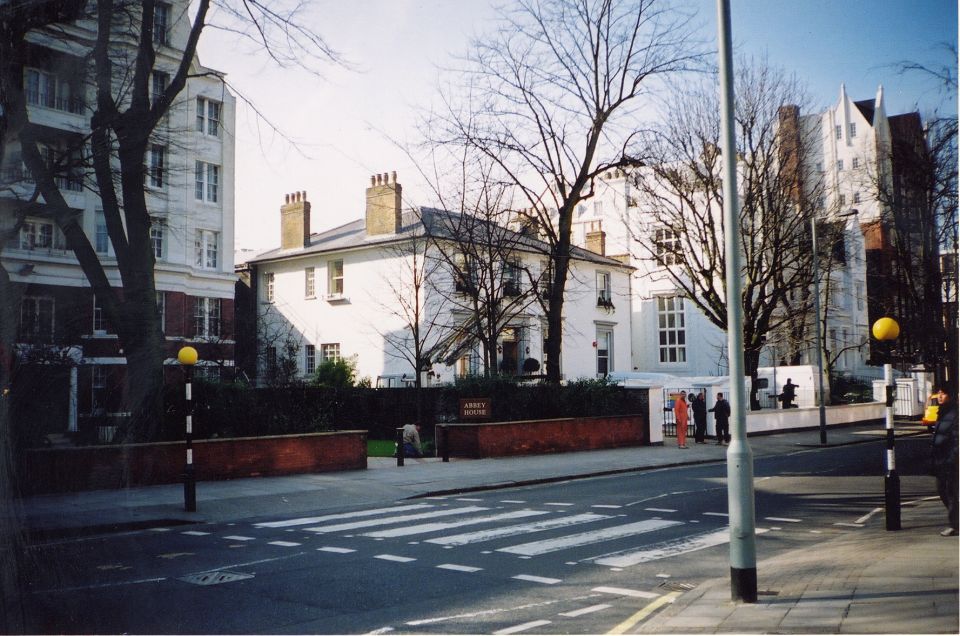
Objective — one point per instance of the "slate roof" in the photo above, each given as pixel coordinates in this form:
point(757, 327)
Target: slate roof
point(866, 109)
point(418, 223)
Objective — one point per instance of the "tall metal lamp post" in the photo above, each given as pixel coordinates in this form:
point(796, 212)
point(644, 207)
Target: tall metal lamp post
point(887, 330)
point(187, 356)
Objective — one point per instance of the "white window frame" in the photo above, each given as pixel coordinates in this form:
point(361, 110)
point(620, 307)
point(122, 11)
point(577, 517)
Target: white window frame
point(206, 249)
point(159, 81)
point(206, 182)
point(310, 282)
point(853, 130)
point(839, 165)
point(309, 359)
point(206, 317)
point(99, 320)
point(36, 234)
point(604, 291)
point(666, 243)
point(671, 330)
point(32, 310)
point(330, 351)
point(269, 286)
point(838, 131)
point(161, 23)
point(157, 166)
point(162, 310)
point(157, 239)
point(209, 116)
point(855, 163)
point(102, 243)
point(604, 356)
point(335, 278)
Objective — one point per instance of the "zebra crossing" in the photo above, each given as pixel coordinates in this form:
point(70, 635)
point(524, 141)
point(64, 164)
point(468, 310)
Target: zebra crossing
point(513, 527)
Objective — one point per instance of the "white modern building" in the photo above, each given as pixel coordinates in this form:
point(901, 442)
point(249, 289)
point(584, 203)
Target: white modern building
point(348, 292)
point(189, 177)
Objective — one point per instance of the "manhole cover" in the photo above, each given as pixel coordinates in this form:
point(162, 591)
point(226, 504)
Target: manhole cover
point(215, 578)
point(676, 586)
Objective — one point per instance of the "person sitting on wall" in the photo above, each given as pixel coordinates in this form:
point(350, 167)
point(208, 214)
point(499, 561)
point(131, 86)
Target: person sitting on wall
point(411, 441)
point(789, 394)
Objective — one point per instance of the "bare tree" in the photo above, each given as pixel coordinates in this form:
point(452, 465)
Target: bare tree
point(551, 98)
point(680, 192)
point(129, 112)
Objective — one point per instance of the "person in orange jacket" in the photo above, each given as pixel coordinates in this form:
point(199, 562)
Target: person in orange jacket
point(681, 414)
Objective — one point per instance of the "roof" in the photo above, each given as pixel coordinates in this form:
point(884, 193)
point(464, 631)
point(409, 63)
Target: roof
point(437, 224)
point(866, 109)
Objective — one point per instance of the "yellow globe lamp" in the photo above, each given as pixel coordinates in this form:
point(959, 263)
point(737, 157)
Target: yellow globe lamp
point(187, 356)
point(886, 329)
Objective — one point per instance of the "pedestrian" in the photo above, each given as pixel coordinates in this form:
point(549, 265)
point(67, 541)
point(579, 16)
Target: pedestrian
point(411, 441)
point(700, 418)
point(789, 394)
point(721, 415)
point(682, 416)
point(943, 451)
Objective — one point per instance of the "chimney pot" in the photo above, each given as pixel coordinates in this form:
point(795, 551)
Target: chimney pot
point(373, 180)
point(393, 176)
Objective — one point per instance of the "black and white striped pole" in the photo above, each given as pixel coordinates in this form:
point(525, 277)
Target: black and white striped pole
point(187, 356)
point(887, 330)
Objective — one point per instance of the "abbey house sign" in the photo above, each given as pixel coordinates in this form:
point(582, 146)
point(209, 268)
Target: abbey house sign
point(475, 409)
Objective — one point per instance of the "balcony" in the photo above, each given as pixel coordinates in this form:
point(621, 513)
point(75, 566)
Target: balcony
point(72, 105)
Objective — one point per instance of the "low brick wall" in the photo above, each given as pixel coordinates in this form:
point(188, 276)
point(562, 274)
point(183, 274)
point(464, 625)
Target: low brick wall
point(532, 437)
point(50, 470)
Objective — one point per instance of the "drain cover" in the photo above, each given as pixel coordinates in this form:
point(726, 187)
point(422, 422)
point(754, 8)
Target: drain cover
point(215, 578)
point(676, 586)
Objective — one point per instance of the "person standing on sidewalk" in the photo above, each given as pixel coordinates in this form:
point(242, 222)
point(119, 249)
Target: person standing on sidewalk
point(699, 418)
point(721, 415)
point(411, 441)
point(944, 455)
point(682, 417)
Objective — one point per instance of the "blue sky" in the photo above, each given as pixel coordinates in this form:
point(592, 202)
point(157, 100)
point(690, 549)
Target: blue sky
point(342, 121)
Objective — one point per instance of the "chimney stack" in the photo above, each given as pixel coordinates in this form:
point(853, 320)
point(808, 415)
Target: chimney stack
point(383, 204)
point(295, 221)
point(597, 239)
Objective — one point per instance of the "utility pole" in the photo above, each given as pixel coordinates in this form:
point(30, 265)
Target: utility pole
point(743, 549)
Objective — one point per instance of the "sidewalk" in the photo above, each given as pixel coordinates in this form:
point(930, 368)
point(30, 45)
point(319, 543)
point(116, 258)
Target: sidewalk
point(874, 581)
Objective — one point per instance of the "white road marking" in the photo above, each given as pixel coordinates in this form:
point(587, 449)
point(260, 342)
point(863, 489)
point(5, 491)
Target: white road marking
point(666, 549)
point(509, 531)
point(237, 537)
point(782, 519)
point(195, 533)
point(586, 610)
point(584, 538)
point(513, 501)
point(394, 558)
point(305, 521)
point(660, 509)
point(458, 568)
point(385, 521)
point(335, 550)
point(849, 525)
point(382, 630)
point(867, 516)
point(537, 579)
point(622, 591)
point(522, 627)
point(716, 514)
point(558, 504)
point(611, 506)
point(159, 529)
point(468, 499)
point(284, 544)
point(498, 610)
point(424, 528)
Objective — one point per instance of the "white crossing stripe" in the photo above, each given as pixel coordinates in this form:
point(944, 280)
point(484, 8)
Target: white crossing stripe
point(513, 501)
point(537, 579)
point(586, 610)
point(782, 519)
point(622, 591)
point(612, 506)
point(849, 525)
point(335, 550)
point(558, 504)
point(237, 537)
point(284, 544)
point(195, 533)
point(522, 627)
point(424, 528)
point(584, 538)
point(666, 549)
point(305, 521)
point(385, 521)
point(395, 558)
point(716, 514)
point(458, 568)
point(660, 509)
point(509, 531)
point(468, 499)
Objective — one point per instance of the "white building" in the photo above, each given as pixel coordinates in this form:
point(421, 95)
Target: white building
point(190, 183)
point(347, 292)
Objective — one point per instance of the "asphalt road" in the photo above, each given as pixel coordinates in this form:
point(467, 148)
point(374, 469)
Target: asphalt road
point(581, 556)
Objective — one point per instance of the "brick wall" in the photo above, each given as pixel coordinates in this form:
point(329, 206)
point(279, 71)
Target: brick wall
point(50, 470)
point(502, 439)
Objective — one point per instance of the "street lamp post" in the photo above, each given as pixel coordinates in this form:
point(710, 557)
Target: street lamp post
point(817, 329)
point(887, 329)
point(187, 356)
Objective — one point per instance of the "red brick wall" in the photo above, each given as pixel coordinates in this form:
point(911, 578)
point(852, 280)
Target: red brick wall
point(501, 439)
point(50, 470)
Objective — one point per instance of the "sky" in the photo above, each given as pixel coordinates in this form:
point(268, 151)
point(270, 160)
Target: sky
point(341, 128)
